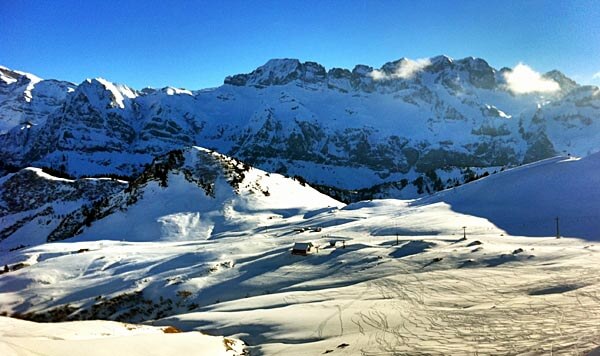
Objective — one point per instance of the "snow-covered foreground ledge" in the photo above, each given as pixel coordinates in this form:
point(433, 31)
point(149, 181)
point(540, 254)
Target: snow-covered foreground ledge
point(18, 337)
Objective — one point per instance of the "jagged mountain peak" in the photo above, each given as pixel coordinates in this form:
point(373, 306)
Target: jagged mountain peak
point(278, 72)
point(102, 91)
point(168, 91)
point(206, 168)
point(26, 98)
point(197, 164)
point(441, 61)
point(456, 75)
point(280, 65)
point(470, 65)
point(473, 63)
point(9, 76)
point(175, 91)
point(390, 67)
point(437, 63)
point(566, 84)
point(364, 77)
point(362, 70)
point(23, 83)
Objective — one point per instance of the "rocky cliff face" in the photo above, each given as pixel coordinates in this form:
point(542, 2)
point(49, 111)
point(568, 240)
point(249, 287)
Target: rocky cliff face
point(33, 203)
point(193, 190)
point(420, 122)
point(27, 100)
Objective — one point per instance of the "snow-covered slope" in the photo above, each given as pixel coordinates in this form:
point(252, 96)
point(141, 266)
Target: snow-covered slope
point(337, 128)
point(400, 279)
point(202, 194)
point(184, 195)
point(23, 338)
point(527, 200)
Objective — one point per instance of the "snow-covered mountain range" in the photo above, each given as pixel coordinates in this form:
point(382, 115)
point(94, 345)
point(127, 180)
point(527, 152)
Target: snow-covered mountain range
point(178, 209)
point(405, 129)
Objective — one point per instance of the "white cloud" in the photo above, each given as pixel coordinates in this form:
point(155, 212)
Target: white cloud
point(406, 69)
point(596, 76)
point(378, 75)
point(523, 80)
point(409, 68)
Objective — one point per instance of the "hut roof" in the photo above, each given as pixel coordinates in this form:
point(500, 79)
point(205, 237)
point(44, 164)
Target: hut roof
point(303, 246)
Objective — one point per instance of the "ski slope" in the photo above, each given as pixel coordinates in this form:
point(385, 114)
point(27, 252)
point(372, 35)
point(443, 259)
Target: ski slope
point(406, 282)
point(527, 200)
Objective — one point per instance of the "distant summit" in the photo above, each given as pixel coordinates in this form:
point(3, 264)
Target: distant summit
point(283, 71)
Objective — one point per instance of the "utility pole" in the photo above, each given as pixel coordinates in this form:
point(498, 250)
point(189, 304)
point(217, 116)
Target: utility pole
point(557, 228)
point(464, 232)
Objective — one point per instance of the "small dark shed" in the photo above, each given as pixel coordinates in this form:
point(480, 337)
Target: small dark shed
point(302, 248)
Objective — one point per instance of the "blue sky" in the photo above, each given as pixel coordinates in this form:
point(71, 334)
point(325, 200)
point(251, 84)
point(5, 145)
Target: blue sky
point(195, 44)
